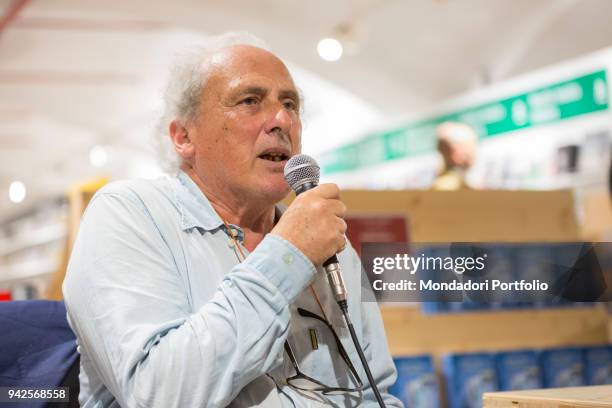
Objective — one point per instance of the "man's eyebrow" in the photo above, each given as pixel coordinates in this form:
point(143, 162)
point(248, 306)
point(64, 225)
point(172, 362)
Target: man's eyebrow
point(288, 93)
point(261, 91)
point(256, 90)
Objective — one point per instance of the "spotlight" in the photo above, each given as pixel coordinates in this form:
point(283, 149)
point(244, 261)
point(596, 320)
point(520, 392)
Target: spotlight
point(98, 156)
point(17, 191)
point(329, 49)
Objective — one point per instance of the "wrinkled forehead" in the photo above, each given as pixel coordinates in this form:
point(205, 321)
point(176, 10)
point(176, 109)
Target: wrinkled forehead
point(239, 65)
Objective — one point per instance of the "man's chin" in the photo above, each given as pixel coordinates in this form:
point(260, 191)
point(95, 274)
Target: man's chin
point(274, 193)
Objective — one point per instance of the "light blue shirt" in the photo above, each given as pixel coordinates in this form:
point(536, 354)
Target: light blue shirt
point(166, 315)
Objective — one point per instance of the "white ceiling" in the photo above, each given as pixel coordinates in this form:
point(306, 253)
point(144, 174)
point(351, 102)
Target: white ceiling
point(76, 73)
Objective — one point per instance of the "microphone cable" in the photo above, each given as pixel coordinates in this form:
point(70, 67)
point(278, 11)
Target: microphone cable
point(343, 304)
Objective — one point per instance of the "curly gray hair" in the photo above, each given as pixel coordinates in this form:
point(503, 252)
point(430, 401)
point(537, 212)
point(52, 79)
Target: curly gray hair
point(188, 76)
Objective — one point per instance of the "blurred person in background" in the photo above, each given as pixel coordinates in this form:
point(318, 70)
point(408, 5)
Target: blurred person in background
point(457, 144)
point(184, 291)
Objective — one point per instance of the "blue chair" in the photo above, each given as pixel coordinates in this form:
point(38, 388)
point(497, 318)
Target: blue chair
point(38, 349)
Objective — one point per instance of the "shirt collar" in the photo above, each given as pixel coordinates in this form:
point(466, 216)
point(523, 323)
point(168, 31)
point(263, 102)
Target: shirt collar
point(197, 212)
point(195, 209)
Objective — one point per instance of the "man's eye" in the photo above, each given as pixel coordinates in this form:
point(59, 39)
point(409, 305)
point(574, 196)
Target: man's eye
point(291, 105)
point(251, 100)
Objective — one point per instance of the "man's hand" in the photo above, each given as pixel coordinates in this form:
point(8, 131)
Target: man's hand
point(314, 224)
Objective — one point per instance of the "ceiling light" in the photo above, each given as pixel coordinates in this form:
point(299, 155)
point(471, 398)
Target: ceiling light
point(17, 191)
point(98, 156)
point(329, 49)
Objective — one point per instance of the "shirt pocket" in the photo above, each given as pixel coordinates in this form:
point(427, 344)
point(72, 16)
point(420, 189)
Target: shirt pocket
point(321, 358)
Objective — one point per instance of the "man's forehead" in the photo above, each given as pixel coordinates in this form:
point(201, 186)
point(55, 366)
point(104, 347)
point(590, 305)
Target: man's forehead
point(241, 65)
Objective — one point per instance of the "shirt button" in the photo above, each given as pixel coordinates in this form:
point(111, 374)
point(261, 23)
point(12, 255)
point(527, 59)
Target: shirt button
point(288, 259)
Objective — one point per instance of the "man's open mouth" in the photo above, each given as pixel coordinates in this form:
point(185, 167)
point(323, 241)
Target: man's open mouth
point(276, 157)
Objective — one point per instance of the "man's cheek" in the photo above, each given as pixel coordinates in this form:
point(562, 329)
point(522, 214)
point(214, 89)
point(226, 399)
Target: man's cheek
point(298, 146)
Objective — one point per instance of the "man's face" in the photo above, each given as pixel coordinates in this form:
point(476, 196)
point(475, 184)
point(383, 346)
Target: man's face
point(248, 125)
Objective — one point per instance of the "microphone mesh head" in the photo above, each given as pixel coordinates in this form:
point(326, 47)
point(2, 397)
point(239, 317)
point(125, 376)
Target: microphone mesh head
point(301, 169)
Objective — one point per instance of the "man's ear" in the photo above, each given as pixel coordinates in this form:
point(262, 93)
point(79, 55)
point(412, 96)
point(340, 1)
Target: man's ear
point(182, 142)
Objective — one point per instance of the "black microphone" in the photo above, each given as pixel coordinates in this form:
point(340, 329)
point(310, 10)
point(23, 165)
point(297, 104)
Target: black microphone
point(302, 173)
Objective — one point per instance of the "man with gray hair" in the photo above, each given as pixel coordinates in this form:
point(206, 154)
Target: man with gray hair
point(193, 290)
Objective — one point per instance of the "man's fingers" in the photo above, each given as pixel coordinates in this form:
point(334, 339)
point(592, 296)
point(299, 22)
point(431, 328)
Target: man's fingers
point(342, 226)
point(337, 207)
point(327, 190)
point(342, 244)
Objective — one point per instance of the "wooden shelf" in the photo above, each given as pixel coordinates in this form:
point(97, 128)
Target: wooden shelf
point(410, 332)
point(594, 396)
point(475, 216)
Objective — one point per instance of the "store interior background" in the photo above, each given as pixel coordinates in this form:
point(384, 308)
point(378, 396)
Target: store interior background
point(80, 96)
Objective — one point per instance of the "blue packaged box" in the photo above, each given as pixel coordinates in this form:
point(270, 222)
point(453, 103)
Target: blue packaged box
point(469, 306)
point(598, 362)
point(437, 275)
point(416, 385)
point(578, 272)
point(518, 370)
point(534, 262)
point(468, 376)
point(563, 368)
point(500, 265)
point(434, 307)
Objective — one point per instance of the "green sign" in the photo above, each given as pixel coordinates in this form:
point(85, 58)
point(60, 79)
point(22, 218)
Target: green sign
point(553, 103)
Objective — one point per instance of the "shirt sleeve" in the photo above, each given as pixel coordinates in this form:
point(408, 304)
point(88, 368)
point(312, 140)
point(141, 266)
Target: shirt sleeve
point(374, 343)
point(129, 306)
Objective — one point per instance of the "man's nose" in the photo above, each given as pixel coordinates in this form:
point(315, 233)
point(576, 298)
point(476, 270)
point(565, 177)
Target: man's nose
point(280, 121)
